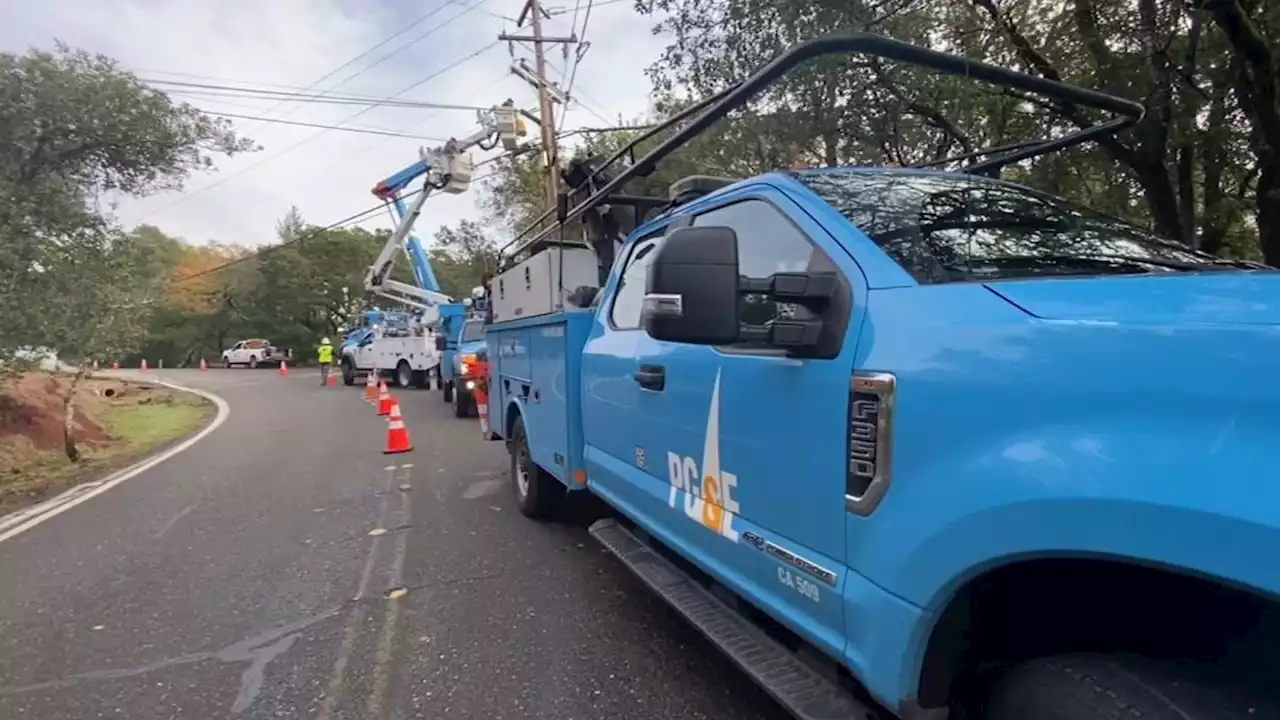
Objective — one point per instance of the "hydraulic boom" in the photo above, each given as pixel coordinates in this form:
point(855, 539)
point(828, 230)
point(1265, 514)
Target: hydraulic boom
point(447, 169)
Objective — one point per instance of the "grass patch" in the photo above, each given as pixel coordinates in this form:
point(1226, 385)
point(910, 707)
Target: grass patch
point(121, 423)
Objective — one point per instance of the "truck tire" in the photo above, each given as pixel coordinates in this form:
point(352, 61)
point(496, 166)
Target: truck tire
point(1115, 687)
point(348, 372)
point(403, 375)
point(226, 363)
point(253, 362)
point(538, 492)
point(446, 392)
point(462, 403)
point(422, 379)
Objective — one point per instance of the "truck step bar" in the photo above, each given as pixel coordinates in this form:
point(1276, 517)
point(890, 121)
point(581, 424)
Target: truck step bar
point(799, 689)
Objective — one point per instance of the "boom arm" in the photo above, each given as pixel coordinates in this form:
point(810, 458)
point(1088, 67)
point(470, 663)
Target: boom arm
point(447, 169)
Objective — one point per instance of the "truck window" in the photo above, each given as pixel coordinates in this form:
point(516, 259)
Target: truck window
point(473, 330)
point(950, 228)
point(627, 301)
point(768, 242)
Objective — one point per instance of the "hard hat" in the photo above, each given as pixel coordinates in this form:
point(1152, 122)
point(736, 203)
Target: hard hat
point(324, 341)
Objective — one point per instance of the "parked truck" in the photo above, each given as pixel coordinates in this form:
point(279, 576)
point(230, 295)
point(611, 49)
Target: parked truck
point(912, 443)
point(461, 341)
point(253, 352)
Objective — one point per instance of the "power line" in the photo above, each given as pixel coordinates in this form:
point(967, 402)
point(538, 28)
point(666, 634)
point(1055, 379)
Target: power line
point(365, 131)
point(257, 94)
point(366, 53)
point(350, 219)
point(579, 51)
point(313, 136)
point(467, 9)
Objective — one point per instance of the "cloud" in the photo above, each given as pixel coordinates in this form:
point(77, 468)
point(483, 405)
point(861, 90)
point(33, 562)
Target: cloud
point(328, 174)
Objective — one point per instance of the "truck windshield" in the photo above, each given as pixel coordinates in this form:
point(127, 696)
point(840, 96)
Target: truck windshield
point(473, 330)
point(956, 228)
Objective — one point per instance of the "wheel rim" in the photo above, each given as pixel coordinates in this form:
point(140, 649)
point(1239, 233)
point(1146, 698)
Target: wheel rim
point(522, 475)
point(404, 376)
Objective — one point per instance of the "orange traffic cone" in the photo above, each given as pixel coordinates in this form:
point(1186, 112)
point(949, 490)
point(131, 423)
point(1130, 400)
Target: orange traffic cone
point(143, 366)
point(203, 365)
point(370, 388)
point(333, 380)
point(95, 364)
point(397, 435)
point(482, 409)
point(283, 370)
point(115, 365)
point(385, 401)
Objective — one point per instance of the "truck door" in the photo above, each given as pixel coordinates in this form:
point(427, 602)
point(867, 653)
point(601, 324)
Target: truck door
point(613, 453)
point(750, 445)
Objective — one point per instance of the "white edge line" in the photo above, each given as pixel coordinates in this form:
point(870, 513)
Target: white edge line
point(224, 411)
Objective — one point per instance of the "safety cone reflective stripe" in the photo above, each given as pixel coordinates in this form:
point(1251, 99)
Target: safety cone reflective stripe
point(397, 435)
point(482, 409)
point(385, 401)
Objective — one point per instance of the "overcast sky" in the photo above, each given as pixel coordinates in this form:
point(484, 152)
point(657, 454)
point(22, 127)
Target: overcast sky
point(328, 173)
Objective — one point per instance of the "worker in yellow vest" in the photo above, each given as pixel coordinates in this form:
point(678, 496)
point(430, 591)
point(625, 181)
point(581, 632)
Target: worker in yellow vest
point(325, 355)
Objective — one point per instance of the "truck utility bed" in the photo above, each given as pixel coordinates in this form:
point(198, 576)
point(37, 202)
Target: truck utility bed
point(535, 363)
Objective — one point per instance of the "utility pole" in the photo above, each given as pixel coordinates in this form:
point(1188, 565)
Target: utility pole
point(548, 92)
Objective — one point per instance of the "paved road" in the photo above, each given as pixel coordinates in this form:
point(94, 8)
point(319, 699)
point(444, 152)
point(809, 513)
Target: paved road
point(239, 579)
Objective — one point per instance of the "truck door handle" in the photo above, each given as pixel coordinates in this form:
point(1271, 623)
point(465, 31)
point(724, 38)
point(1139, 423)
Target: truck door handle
point(651, 377)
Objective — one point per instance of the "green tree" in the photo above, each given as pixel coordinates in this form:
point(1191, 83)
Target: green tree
point(462, 256)
point(73, 129)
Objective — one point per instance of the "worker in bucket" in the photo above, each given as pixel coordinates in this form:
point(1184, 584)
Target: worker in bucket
point(325, 355)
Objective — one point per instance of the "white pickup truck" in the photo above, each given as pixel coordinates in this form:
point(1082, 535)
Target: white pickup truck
point(253, 352)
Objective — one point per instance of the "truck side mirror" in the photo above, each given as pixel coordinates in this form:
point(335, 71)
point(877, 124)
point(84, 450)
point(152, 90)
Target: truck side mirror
point(440, 342)
point(692, 288)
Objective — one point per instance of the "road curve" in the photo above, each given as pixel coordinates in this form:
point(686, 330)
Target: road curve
point(248, 577)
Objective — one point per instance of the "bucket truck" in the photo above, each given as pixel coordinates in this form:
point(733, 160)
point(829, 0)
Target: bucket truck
point(410, 355)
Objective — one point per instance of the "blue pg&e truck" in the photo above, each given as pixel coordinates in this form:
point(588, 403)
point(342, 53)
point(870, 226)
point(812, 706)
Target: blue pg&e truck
point(462, 342)
point(911, 443)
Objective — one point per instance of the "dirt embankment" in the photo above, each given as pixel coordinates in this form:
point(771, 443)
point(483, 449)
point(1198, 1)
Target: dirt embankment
point(31, 413)
point(115, 423)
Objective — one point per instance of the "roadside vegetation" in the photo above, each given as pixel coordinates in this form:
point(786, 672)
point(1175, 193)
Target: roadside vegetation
point(115, 423)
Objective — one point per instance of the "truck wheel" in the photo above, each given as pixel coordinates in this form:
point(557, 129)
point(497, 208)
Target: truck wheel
point(446, 392)
point(422, 379)
point(348, 373)
point(538, 492)
point(226, 363)
point(1102, 687)
point(253, 362)
point(461, 402)
point(403, 374)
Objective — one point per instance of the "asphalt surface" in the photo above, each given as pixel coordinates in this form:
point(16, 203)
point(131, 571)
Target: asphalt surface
point(239, 579)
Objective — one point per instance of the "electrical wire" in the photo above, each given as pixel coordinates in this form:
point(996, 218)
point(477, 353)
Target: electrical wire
point(370, 51)
point(257, 94)
point(313, 136)
point(368, 213)
point(349, 220)
point(365, 131)
point(579, 51)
